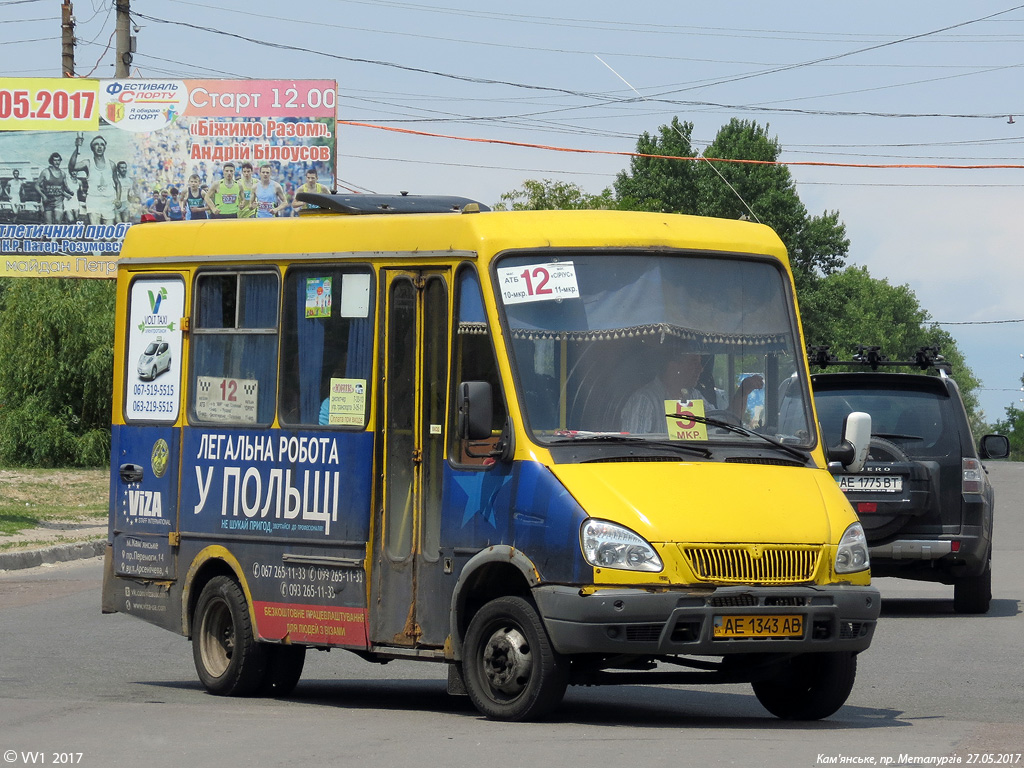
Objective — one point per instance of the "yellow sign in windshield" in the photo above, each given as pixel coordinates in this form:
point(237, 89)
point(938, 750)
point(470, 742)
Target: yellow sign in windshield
point(683, 426)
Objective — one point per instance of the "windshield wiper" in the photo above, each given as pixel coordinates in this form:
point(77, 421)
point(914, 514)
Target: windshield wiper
point(628, 439)
point(804, 456)
point(896, 436)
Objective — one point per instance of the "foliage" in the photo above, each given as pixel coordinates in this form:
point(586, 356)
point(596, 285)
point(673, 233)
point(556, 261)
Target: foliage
point(761, 190)
point(56, 371)
point(548, 195)
point(657, 184)
point(840, 308)
point(850, 308)
point(1013, 427)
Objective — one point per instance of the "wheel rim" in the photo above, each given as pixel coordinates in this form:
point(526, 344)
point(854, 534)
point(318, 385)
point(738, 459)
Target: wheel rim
point(217, 639)
point(507, 661)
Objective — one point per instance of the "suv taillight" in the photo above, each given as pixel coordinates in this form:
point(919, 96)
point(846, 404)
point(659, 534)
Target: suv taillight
point(973, 476)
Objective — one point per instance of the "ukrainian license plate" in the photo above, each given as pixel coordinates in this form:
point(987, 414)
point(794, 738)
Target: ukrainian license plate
point(883, 483)
point(758, 626)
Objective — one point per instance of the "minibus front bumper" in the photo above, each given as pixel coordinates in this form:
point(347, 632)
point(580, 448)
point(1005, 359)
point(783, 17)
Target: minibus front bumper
point(710, 621)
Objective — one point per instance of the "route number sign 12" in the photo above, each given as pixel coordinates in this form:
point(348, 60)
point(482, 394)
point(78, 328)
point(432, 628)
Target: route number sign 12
point(538, 282)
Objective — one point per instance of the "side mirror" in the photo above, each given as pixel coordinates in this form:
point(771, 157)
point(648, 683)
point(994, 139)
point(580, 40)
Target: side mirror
point(852, 450)
point(476, 410)
point(994, 447)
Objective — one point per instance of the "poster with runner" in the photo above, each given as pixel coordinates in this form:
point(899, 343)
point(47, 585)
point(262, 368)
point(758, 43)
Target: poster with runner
point(82, 161)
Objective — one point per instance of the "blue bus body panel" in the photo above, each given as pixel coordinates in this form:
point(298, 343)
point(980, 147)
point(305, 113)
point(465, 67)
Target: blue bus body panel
point(521, 505)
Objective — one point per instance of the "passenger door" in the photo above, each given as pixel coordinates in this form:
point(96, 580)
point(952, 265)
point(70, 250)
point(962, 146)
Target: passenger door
point(413, 397)
point(146, 445)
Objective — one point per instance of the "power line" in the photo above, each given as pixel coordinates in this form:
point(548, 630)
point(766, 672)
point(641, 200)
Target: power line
point(834, 57)
point(977, 322)
point(604, 99)
point(738, 161)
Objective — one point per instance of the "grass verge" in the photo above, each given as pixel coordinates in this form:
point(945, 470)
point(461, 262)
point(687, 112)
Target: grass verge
point(30, 498)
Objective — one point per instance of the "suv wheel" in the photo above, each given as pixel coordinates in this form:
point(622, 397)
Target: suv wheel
point(973, 594)
point(882, 450)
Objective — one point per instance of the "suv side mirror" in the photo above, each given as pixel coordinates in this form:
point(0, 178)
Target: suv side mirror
point(994, 447)
point(852, 450)
point(476, 410)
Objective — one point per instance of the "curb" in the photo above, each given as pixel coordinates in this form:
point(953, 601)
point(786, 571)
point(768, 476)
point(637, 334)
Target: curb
point(31, 558)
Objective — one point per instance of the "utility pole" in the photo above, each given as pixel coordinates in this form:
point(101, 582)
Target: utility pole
point(125, 42)
point(67, 36)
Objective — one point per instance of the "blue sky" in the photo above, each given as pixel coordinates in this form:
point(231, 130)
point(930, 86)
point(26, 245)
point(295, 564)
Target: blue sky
point(914, 82)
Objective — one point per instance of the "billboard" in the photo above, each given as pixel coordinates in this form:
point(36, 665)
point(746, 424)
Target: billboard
point(81, 161)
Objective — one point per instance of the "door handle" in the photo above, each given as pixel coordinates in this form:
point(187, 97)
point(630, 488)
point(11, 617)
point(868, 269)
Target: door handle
point(130, 473)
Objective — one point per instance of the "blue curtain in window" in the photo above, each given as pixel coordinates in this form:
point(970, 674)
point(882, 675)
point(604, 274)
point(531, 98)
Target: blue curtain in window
point(360, 348)
point(259, 301)
point(471, 301)
point(309, 335)
point(211, 297)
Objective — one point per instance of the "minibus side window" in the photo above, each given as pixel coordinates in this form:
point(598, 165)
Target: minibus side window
point(234, 347)
point(327, 332)
point(473, 360)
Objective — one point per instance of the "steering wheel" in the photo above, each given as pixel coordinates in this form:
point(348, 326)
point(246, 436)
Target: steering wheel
point(727, 416)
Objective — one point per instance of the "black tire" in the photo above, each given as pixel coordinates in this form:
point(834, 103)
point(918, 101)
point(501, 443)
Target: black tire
point(881, 449)
point(284, 668)
point(973, 594)
point(510, 669)
point(809, 686)
point(229, 660)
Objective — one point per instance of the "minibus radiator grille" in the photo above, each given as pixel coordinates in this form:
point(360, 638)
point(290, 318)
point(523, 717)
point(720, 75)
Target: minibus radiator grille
point(759, 564)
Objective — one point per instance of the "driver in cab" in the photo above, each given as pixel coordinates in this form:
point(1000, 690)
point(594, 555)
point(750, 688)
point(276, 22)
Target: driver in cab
point(683, 375)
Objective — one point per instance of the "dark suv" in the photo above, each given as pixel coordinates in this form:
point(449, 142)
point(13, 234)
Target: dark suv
point(923, 496)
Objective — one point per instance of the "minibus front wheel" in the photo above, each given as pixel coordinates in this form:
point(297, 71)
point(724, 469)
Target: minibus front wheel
point(229, 660)
point(809, 686)
point(510, 669)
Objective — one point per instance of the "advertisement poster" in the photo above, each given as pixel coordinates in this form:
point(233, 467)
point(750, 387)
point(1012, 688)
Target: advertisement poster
point(81, 161)
point(154, 349)
point(318, 297)
point(347, 404)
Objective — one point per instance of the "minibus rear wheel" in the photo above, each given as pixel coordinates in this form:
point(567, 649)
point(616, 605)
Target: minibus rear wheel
point(809, 686)
point(229, 660)
point(510, 669)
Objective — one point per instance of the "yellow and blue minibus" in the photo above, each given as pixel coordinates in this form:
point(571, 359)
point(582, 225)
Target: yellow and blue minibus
point(544, 448)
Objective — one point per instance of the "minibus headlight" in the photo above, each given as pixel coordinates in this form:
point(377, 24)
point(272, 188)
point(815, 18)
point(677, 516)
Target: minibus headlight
point(607, 545)
point(852, 555)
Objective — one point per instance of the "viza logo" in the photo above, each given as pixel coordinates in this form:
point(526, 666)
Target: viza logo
point(145, 504)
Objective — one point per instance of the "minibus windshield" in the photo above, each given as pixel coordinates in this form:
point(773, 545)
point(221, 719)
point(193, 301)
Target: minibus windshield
point(656, 346)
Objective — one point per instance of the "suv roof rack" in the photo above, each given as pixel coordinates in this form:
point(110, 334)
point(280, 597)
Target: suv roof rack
point(365, 204)
point(924, 358)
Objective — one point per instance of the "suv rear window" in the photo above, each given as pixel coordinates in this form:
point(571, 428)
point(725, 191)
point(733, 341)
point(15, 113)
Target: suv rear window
point(921, 423)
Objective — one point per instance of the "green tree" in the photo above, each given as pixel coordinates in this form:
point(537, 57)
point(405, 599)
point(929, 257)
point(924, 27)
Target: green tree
point(1013, 427)
point(763, 190)
point(850, 308)
point(548, 195)
point(56, 372)
point(658, 184)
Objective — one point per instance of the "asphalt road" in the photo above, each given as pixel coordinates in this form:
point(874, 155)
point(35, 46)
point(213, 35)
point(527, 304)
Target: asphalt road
point(81, 688)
